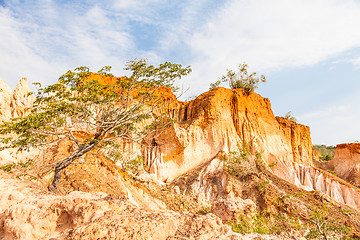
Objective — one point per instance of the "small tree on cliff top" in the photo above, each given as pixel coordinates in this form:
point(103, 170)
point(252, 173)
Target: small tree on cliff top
point(107, 107)
point(241, 79)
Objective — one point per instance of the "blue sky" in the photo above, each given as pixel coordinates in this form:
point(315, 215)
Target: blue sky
point(309, 50)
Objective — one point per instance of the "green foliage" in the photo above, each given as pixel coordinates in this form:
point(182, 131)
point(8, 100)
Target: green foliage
point(26, 164)
point(241, 79)
point(215, 84)
point(326, 152)
point(264, 223)
point(322, 225)
point(325, 227)
point(237, 158)
point(259, 159)
point(135, 164)
point(290, 117)
point(242, 154)
point(109, 108)
point(254, 224)
point(263, 185)
point(332, 172)
point(10, 167)
point(273, 164)
point(204, 210)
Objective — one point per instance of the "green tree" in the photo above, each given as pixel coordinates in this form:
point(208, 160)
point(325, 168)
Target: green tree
point(241, 79)
point(323, 225)
point(109, 108)
point(326, 152)
point(289, 116)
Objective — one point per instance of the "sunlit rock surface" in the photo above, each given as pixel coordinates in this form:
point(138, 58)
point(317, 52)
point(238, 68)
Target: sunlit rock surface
point(29, 212)
point(224, 120)
point(310, 179)
point(346, 162)
point(14, 103)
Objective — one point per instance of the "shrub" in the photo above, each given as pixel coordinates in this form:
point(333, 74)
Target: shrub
point(242, 79)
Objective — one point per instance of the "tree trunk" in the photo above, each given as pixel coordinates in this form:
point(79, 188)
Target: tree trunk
point(66, 162)
point(56, 180)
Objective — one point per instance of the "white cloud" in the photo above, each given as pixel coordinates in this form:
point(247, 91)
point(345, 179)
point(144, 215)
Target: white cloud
point(335, 124)
point(43, 41)
point(17, 58)
point(272, 35)
point(355, 61)
point(127, 5)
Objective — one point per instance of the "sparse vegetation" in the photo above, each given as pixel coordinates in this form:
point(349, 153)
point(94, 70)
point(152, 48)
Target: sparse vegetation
point(8, 167)
point(125, 159)
point(238, 158)
point(265, 223)
point(263, 185)
point(326, 152)
point(179, 202)
point(289, 116)
point(273, 164)
point(323, 225)
point(332, 172)
point(11, 166)
point(241, 79)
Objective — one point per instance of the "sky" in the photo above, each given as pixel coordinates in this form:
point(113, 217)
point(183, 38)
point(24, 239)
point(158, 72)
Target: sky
point(309, 50)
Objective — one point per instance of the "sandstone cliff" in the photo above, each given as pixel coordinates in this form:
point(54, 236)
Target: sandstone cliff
point(192, 157)
point(346, 162)
point(14, 103)
point(224, 120)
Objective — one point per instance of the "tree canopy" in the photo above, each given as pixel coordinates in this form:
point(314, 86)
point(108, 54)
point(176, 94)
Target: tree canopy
point(105, 107)
point(241, 79)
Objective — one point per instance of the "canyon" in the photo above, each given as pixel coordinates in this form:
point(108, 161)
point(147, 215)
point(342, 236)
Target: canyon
point(191, 186)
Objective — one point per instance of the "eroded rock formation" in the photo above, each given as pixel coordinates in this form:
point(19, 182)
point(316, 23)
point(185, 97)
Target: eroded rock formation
point(346, 162)
point(14, 103)
point(191, 156)
point(224, 120)
point(28, 212)
point(310, 179)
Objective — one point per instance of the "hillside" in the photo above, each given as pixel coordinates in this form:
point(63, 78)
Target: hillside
point(226, 169)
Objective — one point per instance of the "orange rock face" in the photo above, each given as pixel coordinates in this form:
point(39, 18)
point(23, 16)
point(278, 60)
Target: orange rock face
point(224, 120)
point(299, 137)
point(346, 162)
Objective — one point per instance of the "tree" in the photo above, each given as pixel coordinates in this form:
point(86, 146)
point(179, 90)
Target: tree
point(109, 108)
point(289, 116)
point(241, 79)
point(324, 226)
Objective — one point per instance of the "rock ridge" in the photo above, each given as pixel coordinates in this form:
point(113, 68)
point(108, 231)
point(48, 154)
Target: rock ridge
point(14, 103)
